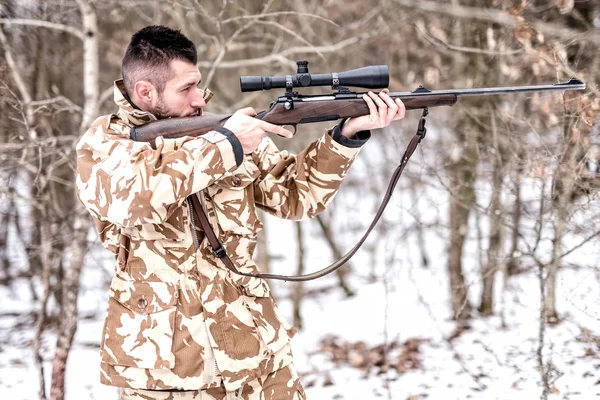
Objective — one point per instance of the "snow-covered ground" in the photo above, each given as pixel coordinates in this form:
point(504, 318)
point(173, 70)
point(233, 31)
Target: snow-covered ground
point(407, 301)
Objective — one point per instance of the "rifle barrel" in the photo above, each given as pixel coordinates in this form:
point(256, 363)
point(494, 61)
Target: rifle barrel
point(573, 84)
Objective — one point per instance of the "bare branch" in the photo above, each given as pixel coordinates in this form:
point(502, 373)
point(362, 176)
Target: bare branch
point(291, 32)
point(281, 55)
point(105, 95)
point(43, 24)
point(445, 46)
point(25, 96)
point(54, 100)
point(45, 143)
point(501, 17)
point(277, 14)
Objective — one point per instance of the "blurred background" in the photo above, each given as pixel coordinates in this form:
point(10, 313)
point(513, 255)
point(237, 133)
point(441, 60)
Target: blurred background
point(482, 280)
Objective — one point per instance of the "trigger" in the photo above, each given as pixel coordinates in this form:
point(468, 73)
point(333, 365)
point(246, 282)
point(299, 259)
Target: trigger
point(292, 126)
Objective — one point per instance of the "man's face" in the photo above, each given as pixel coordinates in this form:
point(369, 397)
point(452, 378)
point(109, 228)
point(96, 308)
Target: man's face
point(181, 96)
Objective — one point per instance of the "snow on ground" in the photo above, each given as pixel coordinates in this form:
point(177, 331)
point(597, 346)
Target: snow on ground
point(485, 362)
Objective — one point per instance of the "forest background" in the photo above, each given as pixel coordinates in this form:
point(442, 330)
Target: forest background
point(501, 201)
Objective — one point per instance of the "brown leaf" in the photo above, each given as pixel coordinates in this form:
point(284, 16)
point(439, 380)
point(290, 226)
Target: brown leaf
point(328, 381)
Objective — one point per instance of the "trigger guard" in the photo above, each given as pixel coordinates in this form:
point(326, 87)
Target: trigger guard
point(292, 126)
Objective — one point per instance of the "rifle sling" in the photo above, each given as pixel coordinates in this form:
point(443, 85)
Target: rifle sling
point(220, 252)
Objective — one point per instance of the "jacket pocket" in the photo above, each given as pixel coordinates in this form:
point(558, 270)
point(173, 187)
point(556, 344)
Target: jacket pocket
point(272, 326)
point(140, 324)
point(173, 229)
point(168, 243)
point(233, 200)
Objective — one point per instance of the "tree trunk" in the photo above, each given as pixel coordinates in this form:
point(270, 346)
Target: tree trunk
point(46, 254)
point(462, 179)
point(5, 221)
point(513, 263)
point(298, 289)
point(263, 258)
point(337, 254)
point(566, 178)
point(68, 318)
point(494, 252)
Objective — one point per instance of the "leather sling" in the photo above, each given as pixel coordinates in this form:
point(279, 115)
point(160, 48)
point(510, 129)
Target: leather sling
point(220, 252)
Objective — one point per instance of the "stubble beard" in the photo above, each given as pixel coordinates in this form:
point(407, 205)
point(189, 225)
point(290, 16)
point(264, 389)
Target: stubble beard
point(162, 111)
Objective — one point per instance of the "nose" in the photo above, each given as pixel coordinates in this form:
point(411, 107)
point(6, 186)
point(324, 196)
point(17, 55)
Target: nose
point(198, 100)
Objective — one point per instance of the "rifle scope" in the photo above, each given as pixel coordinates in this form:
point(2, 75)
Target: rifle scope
point(372, 77)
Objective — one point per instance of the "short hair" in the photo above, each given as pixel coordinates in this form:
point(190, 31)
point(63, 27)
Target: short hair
point(149, 53)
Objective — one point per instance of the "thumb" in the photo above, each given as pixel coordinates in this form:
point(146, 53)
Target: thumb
point(248, 111)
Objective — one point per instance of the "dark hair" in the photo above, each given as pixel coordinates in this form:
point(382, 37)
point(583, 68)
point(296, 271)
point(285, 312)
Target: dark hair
point(149, 53)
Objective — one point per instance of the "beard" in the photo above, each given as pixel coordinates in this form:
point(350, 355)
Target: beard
point(162, 111)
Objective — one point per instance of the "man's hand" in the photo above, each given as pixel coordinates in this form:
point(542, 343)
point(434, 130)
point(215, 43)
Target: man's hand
point(251, 131)
point(382, 111)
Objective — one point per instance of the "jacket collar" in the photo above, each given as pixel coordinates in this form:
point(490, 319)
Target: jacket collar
point(128, 112)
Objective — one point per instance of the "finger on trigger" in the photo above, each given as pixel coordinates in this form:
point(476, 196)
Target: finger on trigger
point(268, 127)
point(285, 133)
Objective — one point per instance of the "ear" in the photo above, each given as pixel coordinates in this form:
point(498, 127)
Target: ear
point(145, 93)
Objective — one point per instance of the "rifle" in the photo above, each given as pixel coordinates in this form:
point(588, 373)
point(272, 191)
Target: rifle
point(293, 109)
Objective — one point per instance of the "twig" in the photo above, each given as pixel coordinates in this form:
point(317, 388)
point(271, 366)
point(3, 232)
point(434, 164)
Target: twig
point(25, 96)
point(291, 32)
point(277, 14)
point(446, 46)
point(290, 51)
point(43, 24)
point(54, 100)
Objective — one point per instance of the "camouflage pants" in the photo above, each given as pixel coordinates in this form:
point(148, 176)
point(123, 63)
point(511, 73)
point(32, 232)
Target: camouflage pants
point(279, 385)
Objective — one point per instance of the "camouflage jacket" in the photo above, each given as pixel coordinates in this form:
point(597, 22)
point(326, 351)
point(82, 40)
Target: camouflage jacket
point(177, 318)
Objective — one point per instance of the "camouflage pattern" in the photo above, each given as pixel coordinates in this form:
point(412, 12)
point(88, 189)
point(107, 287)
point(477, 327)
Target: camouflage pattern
point(177, 318)
point(283, 384)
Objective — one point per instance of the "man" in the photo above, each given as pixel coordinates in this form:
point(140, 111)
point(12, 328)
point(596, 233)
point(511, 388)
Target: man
point(180, 325)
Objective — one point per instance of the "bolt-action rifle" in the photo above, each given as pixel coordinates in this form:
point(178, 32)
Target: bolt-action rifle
point(293, 109)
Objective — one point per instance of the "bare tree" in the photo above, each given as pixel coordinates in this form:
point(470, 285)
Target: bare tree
point(298, 288)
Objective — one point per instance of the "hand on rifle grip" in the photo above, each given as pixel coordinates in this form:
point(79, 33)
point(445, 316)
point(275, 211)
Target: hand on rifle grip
point(250, 131)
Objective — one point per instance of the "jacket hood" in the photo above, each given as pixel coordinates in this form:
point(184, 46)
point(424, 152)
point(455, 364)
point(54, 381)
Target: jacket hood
point(129, 113)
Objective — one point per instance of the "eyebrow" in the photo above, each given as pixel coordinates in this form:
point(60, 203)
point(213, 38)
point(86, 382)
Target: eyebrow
point(190, 83)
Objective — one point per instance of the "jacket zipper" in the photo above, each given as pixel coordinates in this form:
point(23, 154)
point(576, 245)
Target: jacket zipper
point(210, 369)
point(193, 225)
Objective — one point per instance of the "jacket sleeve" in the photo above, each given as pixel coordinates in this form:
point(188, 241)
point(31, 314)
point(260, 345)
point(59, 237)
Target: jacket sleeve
point(300, 187)
point(131, 183)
